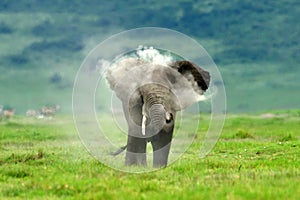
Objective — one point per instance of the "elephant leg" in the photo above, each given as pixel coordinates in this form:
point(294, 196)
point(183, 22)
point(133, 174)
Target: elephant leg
point(161, 144)
point(136, 146)
point(136, 151)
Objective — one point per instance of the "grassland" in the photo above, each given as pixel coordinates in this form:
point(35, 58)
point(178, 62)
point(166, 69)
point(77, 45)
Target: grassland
point(257, 157)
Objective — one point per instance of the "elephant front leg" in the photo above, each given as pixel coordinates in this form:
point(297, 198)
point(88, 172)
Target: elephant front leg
point(161, 144)
point(136, 151)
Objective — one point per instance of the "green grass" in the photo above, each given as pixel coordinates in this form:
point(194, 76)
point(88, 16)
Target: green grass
point(255, 158)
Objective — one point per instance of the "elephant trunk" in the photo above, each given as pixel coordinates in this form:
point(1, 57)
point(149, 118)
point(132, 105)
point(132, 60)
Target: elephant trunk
point(160, 137)
point(153, 109)
point(157, 118)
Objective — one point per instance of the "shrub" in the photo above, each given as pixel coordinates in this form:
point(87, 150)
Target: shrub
point(56, 78)
point(243, 134)
point(5, 29)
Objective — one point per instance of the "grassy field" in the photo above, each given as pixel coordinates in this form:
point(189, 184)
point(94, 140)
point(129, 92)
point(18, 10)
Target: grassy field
point(257, 157)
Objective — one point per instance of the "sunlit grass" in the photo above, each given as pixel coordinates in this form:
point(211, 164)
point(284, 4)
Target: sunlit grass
point(255, 158)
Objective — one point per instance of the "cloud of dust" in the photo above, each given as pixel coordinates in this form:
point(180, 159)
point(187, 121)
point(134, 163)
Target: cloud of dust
point(152, 55)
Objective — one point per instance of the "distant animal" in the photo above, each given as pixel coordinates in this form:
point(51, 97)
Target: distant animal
point(8, 113)
point(1, 109)
point(47, 111)
point(31, 113)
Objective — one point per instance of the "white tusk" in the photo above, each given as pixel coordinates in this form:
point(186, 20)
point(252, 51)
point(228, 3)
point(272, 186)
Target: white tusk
point(144, 120)
point(168, 116)
point(144, 125)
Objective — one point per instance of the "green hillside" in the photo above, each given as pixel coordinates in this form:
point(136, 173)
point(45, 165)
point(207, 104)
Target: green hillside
point(254, 43)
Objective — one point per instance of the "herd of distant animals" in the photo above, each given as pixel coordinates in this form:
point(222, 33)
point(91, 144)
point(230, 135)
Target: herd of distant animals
point(45, 112)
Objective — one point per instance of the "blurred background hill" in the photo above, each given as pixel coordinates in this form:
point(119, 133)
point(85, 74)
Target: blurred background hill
point(255, 44)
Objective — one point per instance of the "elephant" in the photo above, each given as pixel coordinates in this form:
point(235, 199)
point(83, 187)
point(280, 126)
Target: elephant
point(151, 94)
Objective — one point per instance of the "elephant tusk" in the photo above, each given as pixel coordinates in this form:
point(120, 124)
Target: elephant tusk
point(144, 120)
point(168, 116)
point(144, 125)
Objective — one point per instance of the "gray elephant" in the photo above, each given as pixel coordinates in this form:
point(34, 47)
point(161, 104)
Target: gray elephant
point(151, 94)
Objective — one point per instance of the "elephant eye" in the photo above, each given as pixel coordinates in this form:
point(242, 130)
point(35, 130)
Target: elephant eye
point(169, 117)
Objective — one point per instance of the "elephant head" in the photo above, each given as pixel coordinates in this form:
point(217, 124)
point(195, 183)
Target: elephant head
point(151, 94)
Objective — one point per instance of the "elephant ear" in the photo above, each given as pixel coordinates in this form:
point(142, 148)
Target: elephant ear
point(192, 73)
point(189, 82)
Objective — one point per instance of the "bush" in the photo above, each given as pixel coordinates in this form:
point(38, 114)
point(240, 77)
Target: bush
point(56, 78)
point(243, 134)
point(68, 44)
point(17, 60)
point(5, 29)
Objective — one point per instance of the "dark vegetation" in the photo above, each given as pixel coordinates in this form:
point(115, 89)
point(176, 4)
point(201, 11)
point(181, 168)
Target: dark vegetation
point(5, 29)
point(246, 28)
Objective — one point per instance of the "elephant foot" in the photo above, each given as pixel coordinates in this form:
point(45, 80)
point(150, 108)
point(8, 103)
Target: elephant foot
point(160, 156)
point(136, 151)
